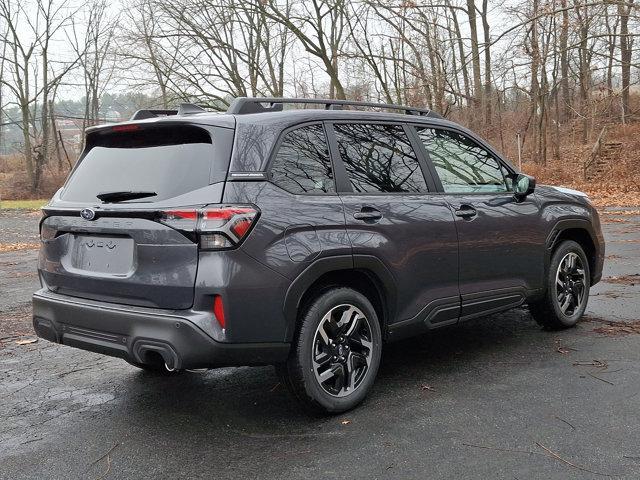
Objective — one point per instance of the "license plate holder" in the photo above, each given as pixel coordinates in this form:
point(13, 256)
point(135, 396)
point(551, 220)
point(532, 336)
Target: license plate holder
point(111, 255)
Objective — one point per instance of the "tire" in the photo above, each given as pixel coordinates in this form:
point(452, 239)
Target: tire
point(335, 354)
point(567, 288)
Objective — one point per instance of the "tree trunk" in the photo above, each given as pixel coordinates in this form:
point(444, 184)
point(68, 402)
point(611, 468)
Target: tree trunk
point(463, 60)
point(564, 63)
point(486, 97)
point(625, 55)
point(54, 135)
point(536, 113)
point(475, 53)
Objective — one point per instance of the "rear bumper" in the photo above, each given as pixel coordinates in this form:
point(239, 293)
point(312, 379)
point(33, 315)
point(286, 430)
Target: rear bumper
point(136, 334)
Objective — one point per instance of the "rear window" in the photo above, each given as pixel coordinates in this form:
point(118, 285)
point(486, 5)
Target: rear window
point(169, 160)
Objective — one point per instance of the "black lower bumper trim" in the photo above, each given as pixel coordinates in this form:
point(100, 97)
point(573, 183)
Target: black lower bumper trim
point(135, 333)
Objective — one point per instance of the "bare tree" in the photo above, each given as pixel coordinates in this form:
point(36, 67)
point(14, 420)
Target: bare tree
point(142, 52)
point(32, 75)
point(319, 26)
point(92, 42)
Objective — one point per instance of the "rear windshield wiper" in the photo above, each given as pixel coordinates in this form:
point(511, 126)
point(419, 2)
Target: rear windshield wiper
point(120, 196)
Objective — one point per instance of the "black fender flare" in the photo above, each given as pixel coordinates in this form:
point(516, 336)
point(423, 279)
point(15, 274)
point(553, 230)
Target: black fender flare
point(572, 223)
point(566, 224)
point(369, 264)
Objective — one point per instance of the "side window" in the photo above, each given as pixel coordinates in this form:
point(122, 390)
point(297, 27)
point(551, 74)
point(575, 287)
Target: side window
point(302, 164)
point(379, 158)
point(462, 165)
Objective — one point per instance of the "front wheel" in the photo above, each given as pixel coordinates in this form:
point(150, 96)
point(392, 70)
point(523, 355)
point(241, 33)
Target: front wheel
point(567, 292)
point(336, 353)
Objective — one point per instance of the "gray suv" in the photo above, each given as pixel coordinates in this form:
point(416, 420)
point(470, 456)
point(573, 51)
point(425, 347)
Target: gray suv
point(301, 238)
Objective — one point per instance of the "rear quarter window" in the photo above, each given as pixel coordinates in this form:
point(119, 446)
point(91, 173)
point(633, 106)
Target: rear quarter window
point(302, 163)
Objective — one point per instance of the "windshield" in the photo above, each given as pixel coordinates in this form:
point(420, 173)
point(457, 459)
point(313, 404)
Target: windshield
point(168, 161)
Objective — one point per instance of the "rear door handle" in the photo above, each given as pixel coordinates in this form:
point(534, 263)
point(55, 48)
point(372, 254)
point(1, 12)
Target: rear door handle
point(368, 213)
point(465, 211)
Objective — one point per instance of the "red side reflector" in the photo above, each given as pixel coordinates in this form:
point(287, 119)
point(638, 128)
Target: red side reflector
point(218, 310)
point(125, 128)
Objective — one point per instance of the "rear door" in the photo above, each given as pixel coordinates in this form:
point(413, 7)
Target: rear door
point(126, 251)
point(393, 214)
point(501, 239)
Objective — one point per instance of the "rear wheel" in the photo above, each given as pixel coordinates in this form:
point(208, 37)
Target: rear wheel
point(567, 292)
point(336, 352)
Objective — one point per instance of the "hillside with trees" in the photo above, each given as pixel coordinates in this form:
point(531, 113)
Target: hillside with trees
point(553, 84)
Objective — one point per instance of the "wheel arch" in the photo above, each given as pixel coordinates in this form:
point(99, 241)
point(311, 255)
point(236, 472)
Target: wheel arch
point(581, 232)
point(365, 274)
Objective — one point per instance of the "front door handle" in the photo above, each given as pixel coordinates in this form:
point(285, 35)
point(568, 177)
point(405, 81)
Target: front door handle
point(368, 213)
point(465, 211)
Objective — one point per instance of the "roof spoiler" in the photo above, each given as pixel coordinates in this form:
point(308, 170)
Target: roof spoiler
point(183, 109)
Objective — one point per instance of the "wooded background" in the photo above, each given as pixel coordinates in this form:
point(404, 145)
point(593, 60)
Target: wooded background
point(554, 84)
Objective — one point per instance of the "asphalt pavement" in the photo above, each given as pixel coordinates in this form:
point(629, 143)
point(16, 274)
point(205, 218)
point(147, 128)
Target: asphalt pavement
point(494, 398)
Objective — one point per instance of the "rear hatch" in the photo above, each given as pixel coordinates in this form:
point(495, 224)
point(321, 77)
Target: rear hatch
point(103, 233)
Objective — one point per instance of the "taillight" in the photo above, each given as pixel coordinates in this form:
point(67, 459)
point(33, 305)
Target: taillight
point(47, 232)
point(217, 227)
point(185, 220)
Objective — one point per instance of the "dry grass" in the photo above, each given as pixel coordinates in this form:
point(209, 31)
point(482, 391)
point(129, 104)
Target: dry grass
point(14, 183)
point(14, 247)
point(22, 204)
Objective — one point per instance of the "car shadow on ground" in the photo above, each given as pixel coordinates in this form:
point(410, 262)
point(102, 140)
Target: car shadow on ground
point(257, 397)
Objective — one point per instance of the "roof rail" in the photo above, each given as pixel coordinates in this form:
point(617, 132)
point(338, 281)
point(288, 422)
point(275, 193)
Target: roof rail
point(183, 109)
point(245, 105)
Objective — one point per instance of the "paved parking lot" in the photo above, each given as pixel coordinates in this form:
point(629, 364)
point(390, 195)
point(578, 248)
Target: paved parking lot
point(492, 398)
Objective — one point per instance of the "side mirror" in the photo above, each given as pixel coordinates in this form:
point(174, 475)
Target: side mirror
point(524, 186)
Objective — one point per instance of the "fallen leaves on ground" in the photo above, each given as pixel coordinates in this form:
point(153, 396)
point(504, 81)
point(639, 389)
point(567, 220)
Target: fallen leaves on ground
point(623, 279)
point(613, 328)
point(27, 341)
point(12, 247)
point(619, 212)
point(608, 219)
